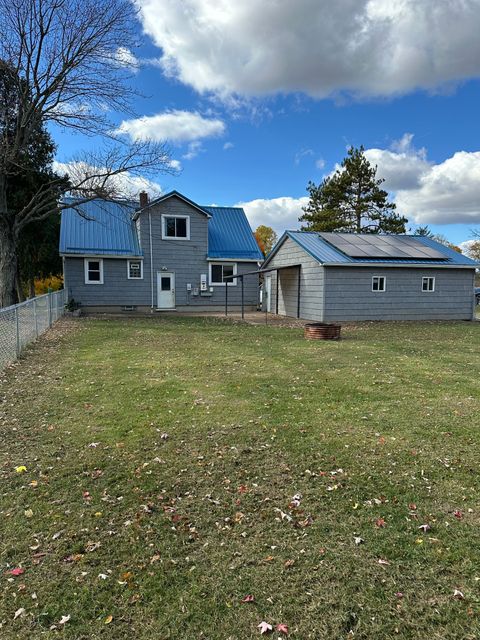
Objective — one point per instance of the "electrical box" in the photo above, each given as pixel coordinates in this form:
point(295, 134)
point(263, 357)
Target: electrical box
point(189, 286)
point(203, 282)
point(211, 289)
point(195, 291)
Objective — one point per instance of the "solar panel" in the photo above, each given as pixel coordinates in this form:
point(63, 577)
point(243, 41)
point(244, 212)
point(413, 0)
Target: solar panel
point(387, 247)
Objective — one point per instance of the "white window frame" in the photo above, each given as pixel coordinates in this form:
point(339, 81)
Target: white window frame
point(128, 269)
point(164, 235)
point(428, 278)
point(226, 264)
point(86, 269)
point(378, 279)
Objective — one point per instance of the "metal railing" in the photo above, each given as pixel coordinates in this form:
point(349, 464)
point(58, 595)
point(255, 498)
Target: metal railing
point(22, 323)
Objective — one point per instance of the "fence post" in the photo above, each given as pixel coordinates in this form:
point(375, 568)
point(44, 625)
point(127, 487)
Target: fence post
point(49, 309)
point(17, 326)
point(35, 317)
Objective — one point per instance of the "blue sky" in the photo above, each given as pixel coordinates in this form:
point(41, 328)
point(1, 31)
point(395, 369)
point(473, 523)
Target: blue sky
point(257, 103)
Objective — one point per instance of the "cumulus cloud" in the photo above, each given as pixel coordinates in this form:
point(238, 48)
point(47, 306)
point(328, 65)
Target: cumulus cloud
point(125, 184)
point(362, 47)
point(126, 58)
point(447, 192)
point(228, 145)
point(176, 125)
point(278, 213)
point(401, 166)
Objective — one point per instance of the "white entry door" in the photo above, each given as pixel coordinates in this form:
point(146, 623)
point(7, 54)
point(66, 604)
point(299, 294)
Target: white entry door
point(268, 293)
point(165, 290)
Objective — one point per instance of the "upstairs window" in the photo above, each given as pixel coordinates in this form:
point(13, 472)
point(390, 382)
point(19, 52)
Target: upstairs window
point(175, 228)
point(223, 272)
point(135, 269)
point(379, 283)
point(93, 271)
point(428, 284)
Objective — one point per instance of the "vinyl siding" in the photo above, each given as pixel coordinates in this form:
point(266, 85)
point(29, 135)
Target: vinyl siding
point(311, 283)
point(349, 295)
point(186, 258)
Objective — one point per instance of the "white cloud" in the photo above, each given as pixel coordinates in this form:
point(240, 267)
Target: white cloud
point(125, 184)
point(447, 192)
point(228, 145)
point(176, 165)
point(300, 155)
point(402, 166)
point(125, 58)
point(363, 47)
point(176, 126)
point(194, 148)
point(320, 163)
point(278, 213)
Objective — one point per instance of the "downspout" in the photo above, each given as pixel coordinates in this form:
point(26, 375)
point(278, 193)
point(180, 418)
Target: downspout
point(151, 256)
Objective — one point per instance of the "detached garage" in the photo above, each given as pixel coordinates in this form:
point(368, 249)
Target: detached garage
point(341, 277)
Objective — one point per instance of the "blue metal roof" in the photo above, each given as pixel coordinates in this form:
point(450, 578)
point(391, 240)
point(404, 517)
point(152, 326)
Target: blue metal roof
point(230, 235)
point(324, 252)
point(105, 227)
point(102, 228)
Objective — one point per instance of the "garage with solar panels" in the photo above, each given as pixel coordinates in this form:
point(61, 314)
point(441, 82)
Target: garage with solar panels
point(341, 277)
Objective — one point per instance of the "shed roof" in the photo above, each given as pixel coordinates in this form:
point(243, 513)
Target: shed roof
point(321, 250)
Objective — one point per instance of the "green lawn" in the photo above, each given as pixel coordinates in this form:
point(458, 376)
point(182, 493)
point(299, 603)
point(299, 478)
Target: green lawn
point(161, 461)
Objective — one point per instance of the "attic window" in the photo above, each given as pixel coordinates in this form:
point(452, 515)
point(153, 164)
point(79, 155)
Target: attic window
point(175, 228)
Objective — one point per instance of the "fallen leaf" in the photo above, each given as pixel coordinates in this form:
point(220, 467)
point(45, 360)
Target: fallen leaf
point(21, 469)
point(358, 540)
point(19, 612)
point(458, 594)
point(34, 483)
point(425, 527)
point(282, 628)
point(28, 513)
point(264, 627)
point(108, 619)
point(248, 598)
point(399, 594)
point(64, 619)
point(380, 522)
point(458, 514)
point(381, 561)
point(16, 572)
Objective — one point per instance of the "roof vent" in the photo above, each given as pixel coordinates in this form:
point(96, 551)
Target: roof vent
point(143, 199)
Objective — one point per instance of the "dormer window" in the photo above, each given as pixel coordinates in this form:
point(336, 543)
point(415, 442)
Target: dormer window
point(175, 227)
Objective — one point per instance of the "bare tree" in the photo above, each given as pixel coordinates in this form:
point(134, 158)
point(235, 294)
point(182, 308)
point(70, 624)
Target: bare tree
point(67, 62)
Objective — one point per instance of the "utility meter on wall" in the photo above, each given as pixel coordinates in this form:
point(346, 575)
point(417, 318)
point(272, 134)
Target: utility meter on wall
point(203, 282)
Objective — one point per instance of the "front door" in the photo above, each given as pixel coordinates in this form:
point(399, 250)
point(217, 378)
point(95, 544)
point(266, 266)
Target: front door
point(165, 290)
point(268, 293)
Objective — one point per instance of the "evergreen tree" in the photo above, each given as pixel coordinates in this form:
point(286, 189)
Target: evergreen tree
point(352, 201)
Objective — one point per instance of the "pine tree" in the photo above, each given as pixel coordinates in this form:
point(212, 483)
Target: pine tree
point(351, 200)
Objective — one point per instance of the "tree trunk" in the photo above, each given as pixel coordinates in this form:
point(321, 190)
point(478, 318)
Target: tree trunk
point(8, 251)
point(18, 287)
point(32, 287)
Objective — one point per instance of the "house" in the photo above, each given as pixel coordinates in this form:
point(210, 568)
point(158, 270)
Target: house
point(167, 254)
point(328, 277)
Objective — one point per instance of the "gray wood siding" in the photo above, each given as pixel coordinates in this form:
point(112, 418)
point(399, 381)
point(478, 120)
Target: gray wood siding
point(349, 295)
point(186, 258)
point(311, 283)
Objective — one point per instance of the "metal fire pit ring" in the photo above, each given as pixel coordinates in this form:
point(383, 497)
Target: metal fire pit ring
point(322, 331)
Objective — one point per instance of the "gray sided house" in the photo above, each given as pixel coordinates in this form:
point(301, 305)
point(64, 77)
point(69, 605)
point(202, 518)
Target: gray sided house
point(165, 255)
point(341, 277)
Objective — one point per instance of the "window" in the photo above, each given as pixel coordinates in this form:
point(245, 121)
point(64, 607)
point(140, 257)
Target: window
point(135, 269)
point(428, 283)
point(175, 228)
point(222, 272)
point(379, 283)
point(94, 271)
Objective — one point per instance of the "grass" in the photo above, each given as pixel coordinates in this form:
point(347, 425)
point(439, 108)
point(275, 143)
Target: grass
point(137, 534)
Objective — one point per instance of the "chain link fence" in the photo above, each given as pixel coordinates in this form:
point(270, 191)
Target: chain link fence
point(22, 323)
